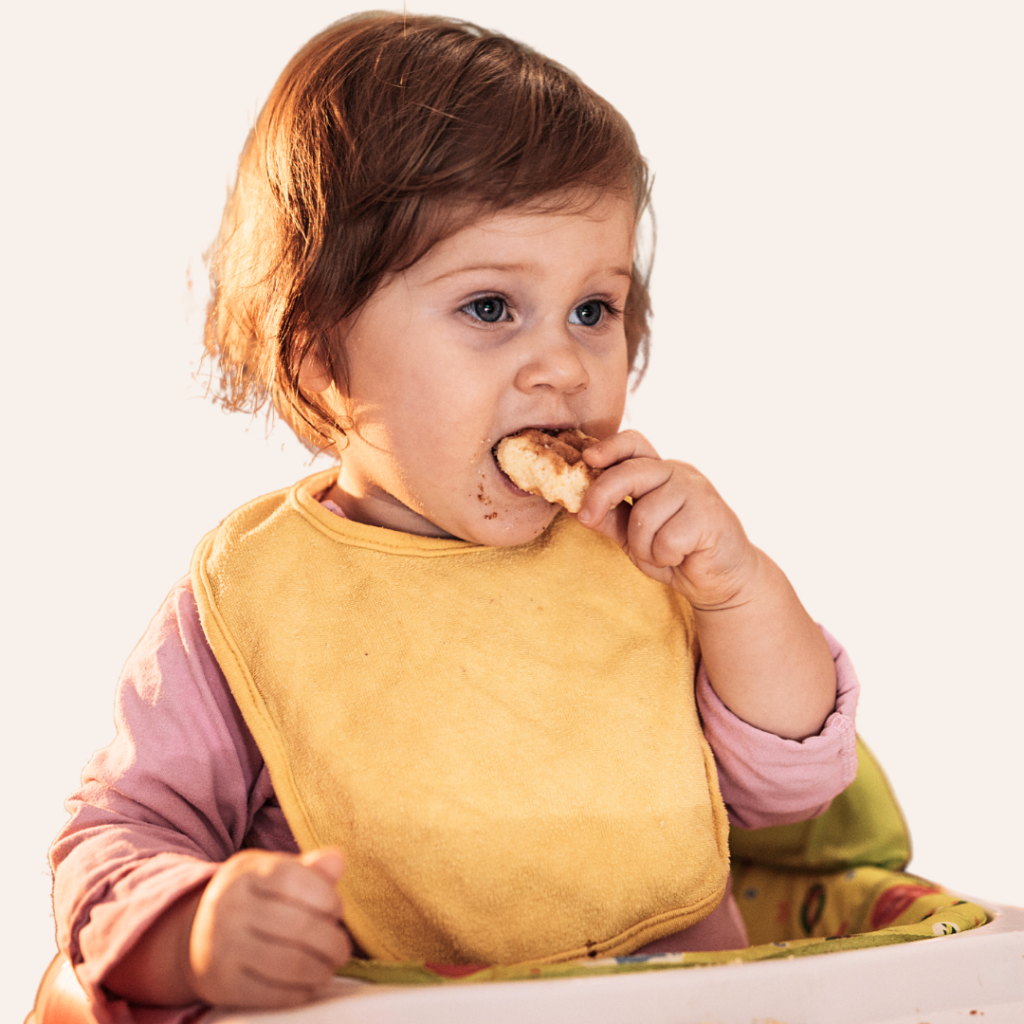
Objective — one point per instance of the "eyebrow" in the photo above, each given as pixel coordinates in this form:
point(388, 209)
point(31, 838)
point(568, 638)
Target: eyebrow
point(512, 268)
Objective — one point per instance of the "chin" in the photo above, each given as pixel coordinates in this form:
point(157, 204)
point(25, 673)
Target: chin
point(509, 528)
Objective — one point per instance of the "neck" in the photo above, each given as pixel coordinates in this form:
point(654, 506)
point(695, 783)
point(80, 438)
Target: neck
point(373, 506)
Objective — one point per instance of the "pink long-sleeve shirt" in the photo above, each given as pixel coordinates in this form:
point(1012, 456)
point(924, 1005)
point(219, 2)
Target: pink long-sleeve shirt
point(183, 787)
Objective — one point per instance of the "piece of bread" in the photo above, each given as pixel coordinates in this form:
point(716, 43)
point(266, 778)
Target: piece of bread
point(549, 464)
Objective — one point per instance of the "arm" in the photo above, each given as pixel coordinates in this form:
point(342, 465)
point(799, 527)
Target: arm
point(768, 660)
point(265, 931)
point(160, 812)
point(767, 780)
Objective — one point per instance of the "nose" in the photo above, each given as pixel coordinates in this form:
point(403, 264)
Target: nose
point(553, 359)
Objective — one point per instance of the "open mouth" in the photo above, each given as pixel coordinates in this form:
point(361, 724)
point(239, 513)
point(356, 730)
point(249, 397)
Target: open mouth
point(547, 462)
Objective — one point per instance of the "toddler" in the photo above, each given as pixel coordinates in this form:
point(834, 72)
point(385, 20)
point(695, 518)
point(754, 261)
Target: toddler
point(404, 709)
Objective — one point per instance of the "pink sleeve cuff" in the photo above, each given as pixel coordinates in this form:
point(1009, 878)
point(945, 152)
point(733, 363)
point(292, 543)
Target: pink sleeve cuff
point(767, 780)
point(116, 924)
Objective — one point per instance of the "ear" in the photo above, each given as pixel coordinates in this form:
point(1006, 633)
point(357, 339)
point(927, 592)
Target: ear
point(313, 375)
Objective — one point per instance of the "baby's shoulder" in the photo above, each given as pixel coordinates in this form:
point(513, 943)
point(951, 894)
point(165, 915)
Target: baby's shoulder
point(173, 660)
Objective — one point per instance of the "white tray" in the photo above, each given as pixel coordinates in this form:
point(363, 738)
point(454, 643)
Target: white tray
point(976, 976)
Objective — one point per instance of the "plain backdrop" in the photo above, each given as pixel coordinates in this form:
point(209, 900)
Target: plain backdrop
point(837, 345)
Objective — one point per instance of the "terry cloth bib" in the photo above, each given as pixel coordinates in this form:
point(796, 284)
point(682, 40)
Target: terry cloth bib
point(504, 741)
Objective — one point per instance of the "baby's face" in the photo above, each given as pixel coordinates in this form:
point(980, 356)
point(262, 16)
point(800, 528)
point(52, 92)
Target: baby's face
point(515, 321)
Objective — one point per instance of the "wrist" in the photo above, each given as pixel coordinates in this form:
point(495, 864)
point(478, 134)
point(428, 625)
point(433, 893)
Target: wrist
point(746, 582)
point(157, 970)
point(765, 657)
point(183, 970)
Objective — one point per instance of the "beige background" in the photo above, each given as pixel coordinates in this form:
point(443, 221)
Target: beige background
point(838, 342)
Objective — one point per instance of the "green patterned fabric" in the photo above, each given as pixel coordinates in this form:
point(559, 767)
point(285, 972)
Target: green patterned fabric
point(864, 826)
point(821, 886)
point(950, 916)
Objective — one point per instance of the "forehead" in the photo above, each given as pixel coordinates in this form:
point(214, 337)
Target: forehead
point(587, 230)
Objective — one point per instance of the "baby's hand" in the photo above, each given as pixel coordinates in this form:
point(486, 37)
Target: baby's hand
point(765, 657)
point(678, 530)
point(267, 931)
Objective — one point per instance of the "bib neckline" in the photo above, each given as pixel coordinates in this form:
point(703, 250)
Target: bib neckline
point(304, 499)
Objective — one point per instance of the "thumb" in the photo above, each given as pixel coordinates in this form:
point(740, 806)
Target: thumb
point(328, 862)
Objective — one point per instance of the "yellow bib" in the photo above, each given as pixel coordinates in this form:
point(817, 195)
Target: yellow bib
point(504, 741)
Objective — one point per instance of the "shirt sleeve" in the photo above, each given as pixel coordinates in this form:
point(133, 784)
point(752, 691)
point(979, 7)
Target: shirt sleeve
point(180, 789)
point(767, 780)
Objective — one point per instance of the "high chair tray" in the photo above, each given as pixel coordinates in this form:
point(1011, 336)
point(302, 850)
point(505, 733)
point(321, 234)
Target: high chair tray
point(977, 975)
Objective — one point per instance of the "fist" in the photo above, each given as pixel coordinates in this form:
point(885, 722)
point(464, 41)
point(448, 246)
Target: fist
point(267, 931)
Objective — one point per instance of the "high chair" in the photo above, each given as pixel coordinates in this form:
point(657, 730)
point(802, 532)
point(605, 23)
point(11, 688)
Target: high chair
point(840, 934)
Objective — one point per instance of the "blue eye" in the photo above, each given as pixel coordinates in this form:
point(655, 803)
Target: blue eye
point(588, 314)
point(490, 309)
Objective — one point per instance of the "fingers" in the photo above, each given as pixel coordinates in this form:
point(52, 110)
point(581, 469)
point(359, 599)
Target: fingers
point(287, 960)
point(673, 519)
point(298, 960)
point(291, 923)
point(627, 444)
point(307, 881)
point(328, 863)
point(268, 930)
point(617, 456)
point(676, 516)
point(656, 484)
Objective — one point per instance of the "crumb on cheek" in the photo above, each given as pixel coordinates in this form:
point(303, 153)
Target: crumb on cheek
point(485, 499)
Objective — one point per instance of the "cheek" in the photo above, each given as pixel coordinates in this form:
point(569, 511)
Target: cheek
point(442, 422)
point(461, 394)
point(395, 400)
point(609, 399)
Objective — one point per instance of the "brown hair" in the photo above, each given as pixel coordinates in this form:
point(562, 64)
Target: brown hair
point(384, 134)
